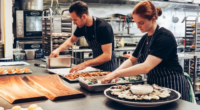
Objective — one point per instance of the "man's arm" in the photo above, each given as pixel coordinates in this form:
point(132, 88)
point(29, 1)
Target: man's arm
point(103, 58)
point(66, 45)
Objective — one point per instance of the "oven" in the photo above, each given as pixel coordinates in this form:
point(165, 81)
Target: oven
point(29, 23)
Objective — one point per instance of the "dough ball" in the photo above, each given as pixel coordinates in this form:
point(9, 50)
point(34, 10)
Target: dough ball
point(16, 108)
point(1, 108)
point(32, 107)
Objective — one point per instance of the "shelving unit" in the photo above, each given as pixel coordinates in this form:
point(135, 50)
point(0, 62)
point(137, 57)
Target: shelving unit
point(192, 37)
point(56, 29)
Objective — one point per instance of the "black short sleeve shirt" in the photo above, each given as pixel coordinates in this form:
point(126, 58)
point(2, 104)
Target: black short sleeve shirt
point(163, 46)
point(104, 32)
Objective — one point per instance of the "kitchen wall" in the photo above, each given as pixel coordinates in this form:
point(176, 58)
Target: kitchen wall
point(105, 10)
point(0, 21)
point(165, 20)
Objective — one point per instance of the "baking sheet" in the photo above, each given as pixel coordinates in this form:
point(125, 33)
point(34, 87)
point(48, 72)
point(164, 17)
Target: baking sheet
point(64, 71)
point(14, 73)
point(102, 87)
point(18, 63)
point(39, 108)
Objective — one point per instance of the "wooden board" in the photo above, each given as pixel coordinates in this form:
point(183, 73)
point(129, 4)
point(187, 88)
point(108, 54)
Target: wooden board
point(52, 87)
point(15, 90)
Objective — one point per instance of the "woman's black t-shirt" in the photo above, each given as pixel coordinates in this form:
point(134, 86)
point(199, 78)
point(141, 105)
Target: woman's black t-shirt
point(163, 46)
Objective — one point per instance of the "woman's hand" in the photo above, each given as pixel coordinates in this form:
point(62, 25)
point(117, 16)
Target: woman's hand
point(108, 78)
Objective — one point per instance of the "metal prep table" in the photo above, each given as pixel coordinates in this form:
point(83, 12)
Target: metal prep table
point(116, 50)
point(92, 101)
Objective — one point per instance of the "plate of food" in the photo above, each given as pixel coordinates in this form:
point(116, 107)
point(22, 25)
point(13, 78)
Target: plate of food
point(31, 107)
point(18, 71)
point(93, 84)
point(141, 95)
point(10, 71)
point(3, 71)
point(26, 70)
point(75, 76)
point(72, 77)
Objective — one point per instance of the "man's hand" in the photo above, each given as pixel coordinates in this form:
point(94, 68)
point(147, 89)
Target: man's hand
point(55, 53)
point(78, 67)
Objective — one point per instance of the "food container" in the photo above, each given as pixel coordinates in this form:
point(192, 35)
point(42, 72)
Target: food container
point(63, 61)
point(101, 87)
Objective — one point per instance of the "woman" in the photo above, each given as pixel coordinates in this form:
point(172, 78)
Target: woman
point(156, 53)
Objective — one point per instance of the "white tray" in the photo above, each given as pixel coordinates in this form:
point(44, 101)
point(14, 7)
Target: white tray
point(39, 108)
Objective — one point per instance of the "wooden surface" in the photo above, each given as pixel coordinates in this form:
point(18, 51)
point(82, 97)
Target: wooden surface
point(52, 87)
point(15, 90)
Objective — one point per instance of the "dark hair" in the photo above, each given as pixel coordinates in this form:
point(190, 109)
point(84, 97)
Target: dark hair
point(146, 9)
point(79, 7)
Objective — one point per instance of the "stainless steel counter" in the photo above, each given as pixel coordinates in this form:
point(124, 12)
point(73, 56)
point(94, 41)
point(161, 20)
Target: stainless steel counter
point(116, 49)
point(93, 101)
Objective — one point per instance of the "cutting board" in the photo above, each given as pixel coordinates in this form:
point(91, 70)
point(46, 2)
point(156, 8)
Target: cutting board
point(15, 90)
point(52, 87)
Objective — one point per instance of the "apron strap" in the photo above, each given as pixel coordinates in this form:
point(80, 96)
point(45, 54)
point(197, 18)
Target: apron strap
point(94, 23)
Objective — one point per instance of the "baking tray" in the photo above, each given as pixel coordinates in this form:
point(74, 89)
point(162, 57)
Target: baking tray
point(39, 108)
point(64, 71)
point(102, 87)
point(14, 73)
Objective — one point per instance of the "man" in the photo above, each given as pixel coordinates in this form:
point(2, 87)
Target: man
point(98, 34)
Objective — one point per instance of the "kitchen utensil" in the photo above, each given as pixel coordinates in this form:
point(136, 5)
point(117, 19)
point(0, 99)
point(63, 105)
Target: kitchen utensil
point(30, 54)
point(56, 9)
point(52, 87)
point(123, 26)
point(119, 22)
point(19, 91)
point(63, 61)
point(174, 18)
point(131, 22)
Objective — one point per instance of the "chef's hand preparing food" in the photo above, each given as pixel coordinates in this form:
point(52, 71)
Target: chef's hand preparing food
point(156, 53)
point(98, 34)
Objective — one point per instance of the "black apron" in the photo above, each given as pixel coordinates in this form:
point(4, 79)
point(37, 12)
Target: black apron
point(97, 51)
point(165, 77)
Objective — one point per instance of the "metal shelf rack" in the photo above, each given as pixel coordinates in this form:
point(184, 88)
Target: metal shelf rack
point(52, 39)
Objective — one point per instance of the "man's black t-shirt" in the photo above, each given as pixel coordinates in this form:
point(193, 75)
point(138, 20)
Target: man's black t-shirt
point(163, 46)
point(104, 32)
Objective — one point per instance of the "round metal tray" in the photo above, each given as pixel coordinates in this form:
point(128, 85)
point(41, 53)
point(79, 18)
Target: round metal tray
point(142, 104)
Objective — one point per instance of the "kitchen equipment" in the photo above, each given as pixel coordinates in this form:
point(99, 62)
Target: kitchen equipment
point(142, 104)
point(175, 19)
point(56, 9)
point(52, 87)
point(30, 54)
point(19, 91)
point(5, 59)
point(29, 23)
point(32, 4)
point(101, 87)
point(62, 61)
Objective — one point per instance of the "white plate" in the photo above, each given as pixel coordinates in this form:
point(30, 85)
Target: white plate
point(142, 104)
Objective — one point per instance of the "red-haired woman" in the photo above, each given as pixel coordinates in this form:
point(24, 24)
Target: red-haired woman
point(156, 53)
